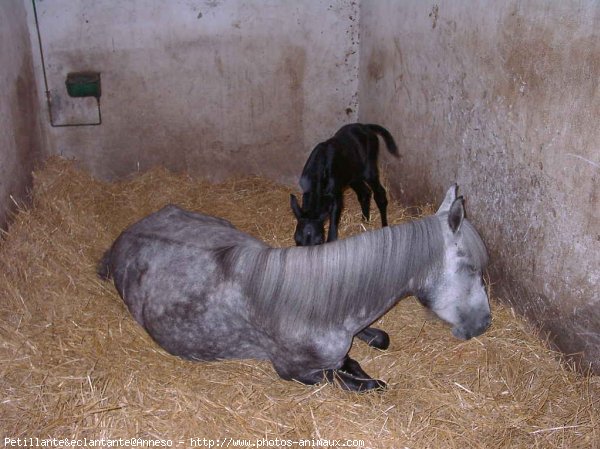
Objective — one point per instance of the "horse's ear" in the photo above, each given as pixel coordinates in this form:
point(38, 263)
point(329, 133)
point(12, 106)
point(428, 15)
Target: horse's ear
point(456, 214)
point(295, 206)
point(449, 199)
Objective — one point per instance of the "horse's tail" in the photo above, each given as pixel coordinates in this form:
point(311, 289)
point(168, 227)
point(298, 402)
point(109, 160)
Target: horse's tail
point(103, 267)
point(387, 138)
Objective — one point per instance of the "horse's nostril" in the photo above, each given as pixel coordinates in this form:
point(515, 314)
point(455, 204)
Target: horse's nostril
point(485, 324)
point(487, 321)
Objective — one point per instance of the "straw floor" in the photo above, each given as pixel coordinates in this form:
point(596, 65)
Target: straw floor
point(75, 365)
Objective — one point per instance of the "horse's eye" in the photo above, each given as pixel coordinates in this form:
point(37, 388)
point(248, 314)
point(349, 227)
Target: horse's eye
point(470, 269)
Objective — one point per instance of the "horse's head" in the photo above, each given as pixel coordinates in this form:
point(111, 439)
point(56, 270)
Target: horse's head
point(457, 293)
point(310, 230)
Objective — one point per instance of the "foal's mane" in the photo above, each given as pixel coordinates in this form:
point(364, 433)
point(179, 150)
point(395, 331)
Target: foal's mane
point(327, 283)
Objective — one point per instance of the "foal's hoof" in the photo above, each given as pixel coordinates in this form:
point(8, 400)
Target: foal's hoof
point(375, 338)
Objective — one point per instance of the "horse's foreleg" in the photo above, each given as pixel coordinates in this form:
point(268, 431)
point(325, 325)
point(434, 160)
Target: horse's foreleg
point(291, 372)
point(375, 338)
point(351, 376)
point(311, 378)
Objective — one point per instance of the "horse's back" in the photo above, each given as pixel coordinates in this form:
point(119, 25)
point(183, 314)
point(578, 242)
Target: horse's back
point(176, 236)
point(169, 270)
point(174, 226)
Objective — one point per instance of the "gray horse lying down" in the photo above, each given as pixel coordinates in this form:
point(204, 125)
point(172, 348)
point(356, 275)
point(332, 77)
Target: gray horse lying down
point(204, 290)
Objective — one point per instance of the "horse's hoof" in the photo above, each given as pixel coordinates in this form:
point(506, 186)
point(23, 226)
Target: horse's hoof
point(351, 383)
point(367, 385)
point(382, 341)
point(375, 338)
point(378, 385)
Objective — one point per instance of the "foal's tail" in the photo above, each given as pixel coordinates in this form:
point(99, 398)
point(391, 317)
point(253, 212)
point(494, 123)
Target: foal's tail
point(103, 267)
point(387, 138)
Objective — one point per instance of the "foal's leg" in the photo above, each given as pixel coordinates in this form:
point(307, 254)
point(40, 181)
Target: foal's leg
point(363, 194)
point(379, 195)
point(375, 338)
point(334, 218)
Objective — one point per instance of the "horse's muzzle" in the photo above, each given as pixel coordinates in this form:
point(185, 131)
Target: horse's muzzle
point(472, 329)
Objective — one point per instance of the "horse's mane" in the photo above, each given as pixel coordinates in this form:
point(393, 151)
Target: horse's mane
point(327, 283)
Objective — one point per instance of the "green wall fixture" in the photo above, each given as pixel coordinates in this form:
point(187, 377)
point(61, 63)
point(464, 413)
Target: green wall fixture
point(83, 84)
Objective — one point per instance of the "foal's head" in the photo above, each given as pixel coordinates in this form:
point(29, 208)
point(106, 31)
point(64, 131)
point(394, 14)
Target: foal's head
point(310, 229)
point(457, 293)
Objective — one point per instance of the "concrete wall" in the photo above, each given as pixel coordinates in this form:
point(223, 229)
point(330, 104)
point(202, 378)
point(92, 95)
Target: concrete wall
point(215, 87)
point(504, 98)
point(19, 126)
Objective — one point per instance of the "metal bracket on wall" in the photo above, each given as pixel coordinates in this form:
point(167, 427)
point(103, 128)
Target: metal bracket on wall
point(79, 103)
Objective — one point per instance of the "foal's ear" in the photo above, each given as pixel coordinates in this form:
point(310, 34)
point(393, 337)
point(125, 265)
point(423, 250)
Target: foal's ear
point(456, 214)
point(449, 199)
point(295, 206)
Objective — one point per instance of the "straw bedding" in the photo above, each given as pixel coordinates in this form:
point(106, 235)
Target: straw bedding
point(75, 365)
